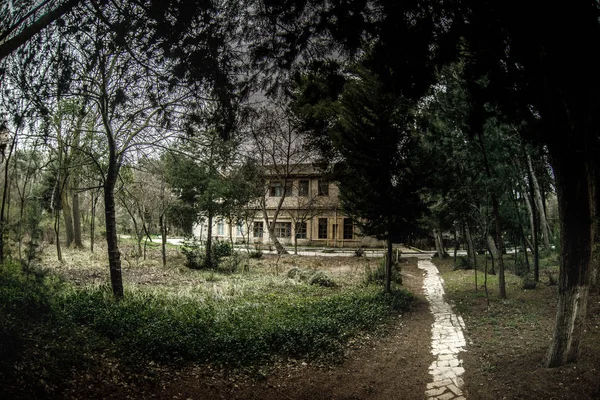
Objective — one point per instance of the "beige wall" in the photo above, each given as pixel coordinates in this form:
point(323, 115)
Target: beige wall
point(294, 208)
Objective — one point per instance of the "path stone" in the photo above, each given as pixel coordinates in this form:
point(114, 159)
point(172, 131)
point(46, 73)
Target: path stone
point(447, 340)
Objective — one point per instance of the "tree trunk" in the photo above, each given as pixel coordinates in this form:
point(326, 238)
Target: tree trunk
point(471, 252)
point(575, 188)
point(388, 266)
point(456, 244)
point(77, 239)
point(208, 248)
point(114, 255)
point(439, 243)
point(163, 234)
point(67, 212)
point(93, 221)
point(543, 222)
point(4, 197)
point(278, 246)
point(493, 252)
point(271, 225)
point(500, 244)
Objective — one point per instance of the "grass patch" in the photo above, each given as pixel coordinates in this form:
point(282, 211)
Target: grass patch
point(52, 330)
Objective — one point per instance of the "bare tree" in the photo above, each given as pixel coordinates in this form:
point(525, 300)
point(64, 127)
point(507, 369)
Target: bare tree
point(278, 147)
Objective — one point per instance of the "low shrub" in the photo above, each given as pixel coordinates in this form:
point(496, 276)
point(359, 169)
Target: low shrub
point(294, 273)
point(528, 282)
point(377, 276)
point(463, 263)
point(359, 252)
point(193, 252)
point(239, 332)
point(236, 262)
point(255, 254)
point(320, 278)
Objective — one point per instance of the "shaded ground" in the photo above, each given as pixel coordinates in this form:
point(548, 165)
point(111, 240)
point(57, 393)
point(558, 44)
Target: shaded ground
point(391, 363)
point(507, 342)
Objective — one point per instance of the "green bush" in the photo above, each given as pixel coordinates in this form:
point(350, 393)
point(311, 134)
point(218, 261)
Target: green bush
point(193, 252)
point(377, 276)
point(255, 254)
point(221, 249)
point(320, 278)
point(236, 262)
point(294, 273)
point(463, 263)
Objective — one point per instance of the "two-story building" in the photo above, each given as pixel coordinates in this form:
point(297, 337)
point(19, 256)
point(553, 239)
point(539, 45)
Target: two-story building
point(309, 212)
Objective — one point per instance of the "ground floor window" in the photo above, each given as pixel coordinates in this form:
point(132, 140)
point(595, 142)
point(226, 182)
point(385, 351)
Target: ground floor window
point(220, 229)
point(283, 229)
point(301, 230)
point(258, 229)
point(239, 230)
point(348, 228)
point(322, 228)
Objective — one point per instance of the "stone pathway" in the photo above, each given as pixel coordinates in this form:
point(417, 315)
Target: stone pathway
point(447, 340)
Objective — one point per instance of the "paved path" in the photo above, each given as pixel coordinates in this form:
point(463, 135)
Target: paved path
point(447, 340)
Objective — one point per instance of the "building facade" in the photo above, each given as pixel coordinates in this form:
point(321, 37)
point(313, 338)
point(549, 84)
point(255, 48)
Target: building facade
point(309, 213)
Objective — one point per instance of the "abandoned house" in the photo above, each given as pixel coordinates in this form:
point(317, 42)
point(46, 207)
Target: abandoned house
point(309, 213)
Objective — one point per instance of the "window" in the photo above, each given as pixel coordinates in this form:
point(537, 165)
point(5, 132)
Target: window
point(301, 230)
point(258, 229)
point(283, 229)
point(220, 229)
point(239, 230)
point(348, 228)
point(323, 188)
point(322, 228)
point(303, 188)
point(276, 189)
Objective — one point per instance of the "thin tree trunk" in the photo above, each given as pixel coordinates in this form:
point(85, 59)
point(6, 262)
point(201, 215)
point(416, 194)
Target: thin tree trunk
point(501, 279)
point(471, 251)
point(67, 212)
point(93, 221)
point(493, 252)
point(4, 200)
point(77, 239)
point(208, 248)
point(112, 174)
point(163, 232)
point(543, 222)
point(388, 266)
point(114, 255)
point(439, 243)
point(456, 244)
point(575, 187)
point(271, 224)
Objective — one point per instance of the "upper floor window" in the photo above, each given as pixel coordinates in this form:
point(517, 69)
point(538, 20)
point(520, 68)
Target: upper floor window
point(276, 189)
point(323, 188)
point(303, 188)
